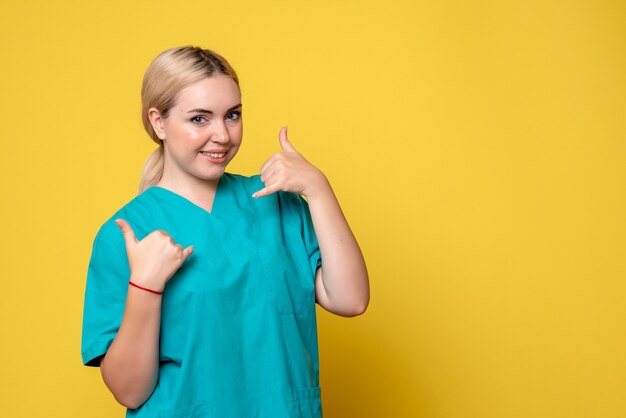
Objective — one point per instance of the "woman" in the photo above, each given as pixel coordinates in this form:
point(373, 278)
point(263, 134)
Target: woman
point(201, 290)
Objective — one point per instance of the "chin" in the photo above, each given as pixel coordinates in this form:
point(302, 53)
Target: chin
point(214, 175)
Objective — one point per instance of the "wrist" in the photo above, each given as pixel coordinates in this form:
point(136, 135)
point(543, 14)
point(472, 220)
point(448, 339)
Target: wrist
point(145, 289)
point(318, 188)
point(140, 282)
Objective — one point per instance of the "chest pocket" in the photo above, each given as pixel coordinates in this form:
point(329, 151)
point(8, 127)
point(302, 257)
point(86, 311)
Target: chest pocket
point(288, 280)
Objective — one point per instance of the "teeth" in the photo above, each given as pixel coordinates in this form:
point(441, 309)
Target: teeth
point(214, 155)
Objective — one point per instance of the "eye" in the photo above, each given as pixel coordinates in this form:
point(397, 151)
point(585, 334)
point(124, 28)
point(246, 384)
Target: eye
point(198, 120)
point(233, 115)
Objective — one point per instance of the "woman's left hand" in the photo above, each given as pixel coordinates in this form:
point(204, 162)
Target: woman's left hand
point(289, 171)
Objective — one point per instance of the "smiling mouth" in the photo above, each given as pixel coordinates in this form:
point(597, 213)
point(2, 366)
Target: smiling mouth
point(216, 155)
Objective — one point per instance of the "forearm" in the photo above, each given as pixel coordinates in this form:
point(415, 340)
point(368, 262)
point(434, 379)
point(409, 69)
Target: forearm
point(342, 286)
point(130, 366)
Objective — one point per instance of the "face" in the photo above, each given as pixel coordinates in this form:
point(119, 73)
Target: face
point(202, 132)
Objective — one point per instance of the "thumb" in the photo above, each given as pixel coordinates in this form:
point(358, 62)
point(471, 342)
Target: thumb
point(127, 231)
point(284, 142)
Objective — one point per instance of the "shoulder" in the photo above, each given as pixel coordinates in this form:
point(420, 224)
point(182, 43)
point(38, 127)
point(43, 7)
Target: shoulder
point(292, 203)
point(135, 211)
point(250, 183)
point(282, 204)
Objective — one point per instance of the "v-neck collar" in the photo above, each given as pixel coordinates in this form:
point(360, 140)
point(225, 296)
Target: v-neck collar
point(216, 199)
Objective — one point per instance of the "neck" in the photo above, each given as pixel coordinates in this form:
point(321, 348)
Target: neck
point(200, 192)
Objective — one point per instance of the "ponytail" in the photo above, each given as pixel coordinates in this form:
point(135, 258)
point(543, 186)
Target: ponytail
point(152, 169)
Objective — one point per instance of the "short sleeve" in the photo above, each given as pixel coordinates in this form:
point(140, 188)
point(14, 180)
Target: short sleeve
point(105, 293)
point(296, 207)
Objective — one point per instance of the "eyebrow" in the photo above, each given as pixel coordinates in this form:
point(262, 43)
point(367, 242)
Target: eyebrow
point(209, 112)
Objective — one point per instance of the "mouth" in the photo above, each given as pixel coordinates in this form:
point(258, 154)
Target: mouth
point(214, 156)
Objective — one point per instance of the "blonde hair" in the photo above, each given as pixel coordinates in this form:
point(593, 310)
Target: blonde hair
point(166, 76)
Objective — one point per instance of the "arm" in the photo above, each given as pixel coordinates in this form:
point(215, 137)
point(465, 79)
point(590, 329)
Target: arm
point(341, 284)
point(130, 366)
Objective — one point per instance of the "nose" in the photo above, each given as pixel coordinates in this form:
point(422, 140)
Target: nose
point(220, 134)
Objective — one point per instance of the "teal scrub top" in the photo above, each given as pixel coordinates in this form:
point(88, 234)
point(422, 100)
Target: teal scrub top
point(238, 327)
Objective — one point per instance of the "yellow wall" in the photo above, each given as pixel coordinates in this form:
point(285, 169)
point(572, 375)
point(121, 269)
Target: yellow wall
point(478, 148)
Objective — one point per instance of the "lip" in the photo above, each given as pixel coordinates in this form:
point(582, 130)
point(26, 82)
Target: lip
point(215, 151)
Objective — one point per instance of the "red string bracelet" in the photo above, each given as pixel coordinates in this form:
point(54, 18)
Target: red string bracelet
point(143, 288)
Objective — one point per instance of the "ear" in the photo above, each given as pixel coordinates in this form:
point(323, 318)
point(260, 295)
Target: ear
point(157, 121)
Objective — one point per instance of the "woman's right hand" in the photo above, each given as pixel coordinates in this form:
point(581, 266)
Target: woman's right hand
point(154, 259)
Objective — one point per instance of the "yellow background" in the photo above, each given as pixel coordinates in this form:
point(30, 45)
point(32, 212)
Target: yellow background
point(478, 149)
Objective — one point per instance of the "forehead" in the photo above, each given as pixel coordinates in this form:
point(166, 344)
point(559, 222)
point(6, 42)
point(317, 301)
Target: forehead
point(213, 93)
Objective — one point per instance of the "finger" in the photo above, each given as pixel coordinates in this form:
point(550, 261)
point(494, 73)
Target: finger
point(266, 191)
point(284, 142)
point(270, 173)
point(267, 163)
point(127, 231)
point(271, 177)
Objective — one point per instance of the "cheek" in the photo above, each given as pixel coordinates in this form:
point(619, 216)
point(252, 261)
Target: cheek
point(184, 142)
point(189, 136)
point(236, 134)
